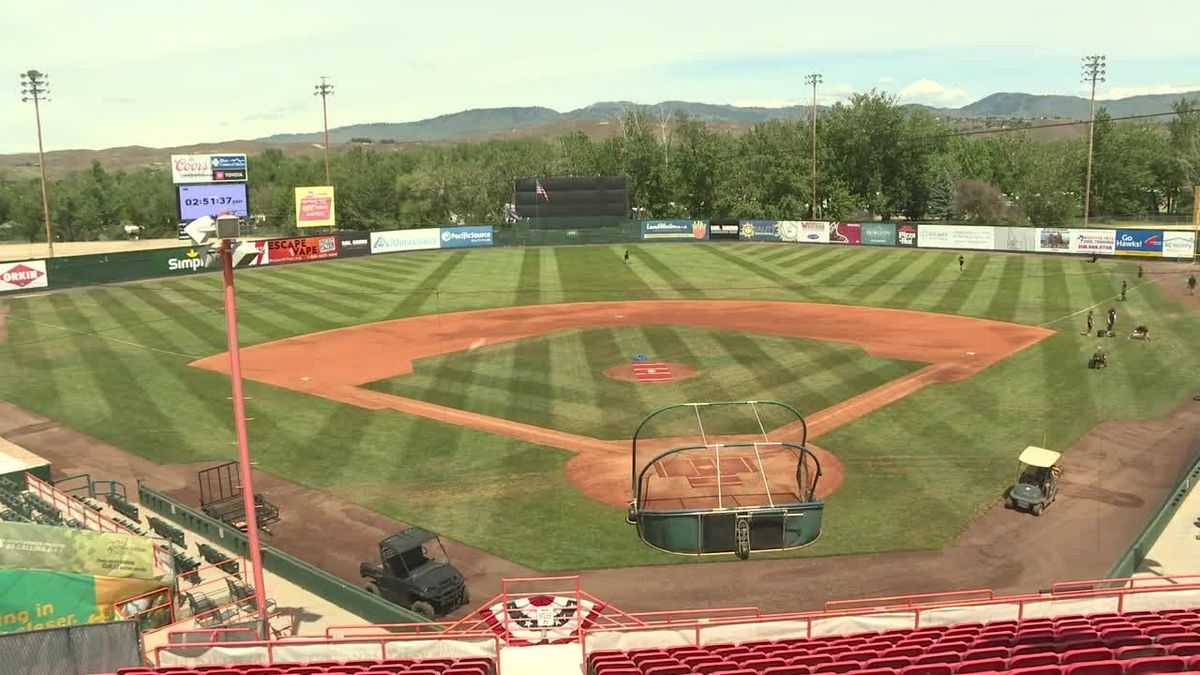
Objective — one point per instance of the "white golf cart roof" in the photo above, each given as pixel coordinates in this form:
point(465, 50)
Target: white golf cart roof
point(1039, 457)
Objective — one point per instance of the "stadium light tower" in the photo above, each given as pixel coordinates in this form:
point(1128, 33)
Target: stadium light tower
point(325, 90)
point(813, 79)
point(1093, 71)
point(35, 87)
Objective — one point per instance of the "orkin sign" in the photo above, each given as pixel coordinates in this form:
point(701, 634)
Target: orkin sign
point(19, 276)
point(228, 168)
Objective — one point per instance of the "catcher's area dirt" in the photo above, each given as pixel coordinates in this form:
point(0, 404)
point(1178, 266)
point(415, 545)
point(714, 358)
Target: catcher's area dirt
point(625, 373)
point(334, 364)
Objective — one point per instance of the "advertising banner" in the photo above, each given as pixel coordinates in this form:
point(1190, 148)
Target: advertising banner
point(804, 231)
point(34, 599)
point(723, 232)
point(1053, 240)
point(1016, 239)
point(212, 200)
point(978, 237)
point(301, 249)
point(471, 236)
point(228, 168)
point(174, 261)
point(1178, 244)
point(315, 207)
point(65, 549)
point(394, 241)
point(906, 235)
point(674, 229)
point(760, 230)
point(1139, 242)
point(353, 244)
point(879, 234)
point(23, 276)
point(845, 233)
point(1093, 242)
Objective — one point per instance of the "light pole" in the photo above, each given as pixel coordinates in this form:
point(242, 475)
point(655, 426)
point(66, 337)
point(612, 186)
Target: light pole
point(1093, 71)
point(325, 90)
point(813, 79)
point(35, 87)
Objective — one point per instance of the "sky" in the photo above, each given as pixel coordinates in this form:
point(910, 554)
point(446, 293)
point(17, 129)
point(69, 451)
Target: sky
point(162, 73)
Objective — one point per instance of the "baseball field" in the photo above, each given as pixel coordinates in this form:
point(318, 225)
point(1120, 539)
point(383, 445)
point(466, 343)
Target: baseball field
point(422, 386)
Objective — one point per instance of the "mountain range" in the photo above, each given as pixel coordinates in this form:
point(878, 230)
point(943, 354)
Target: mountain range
point(490, 122)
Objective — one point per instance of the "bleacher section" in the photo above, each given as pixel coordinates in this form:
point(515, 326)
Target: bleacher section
point(464, 666)
point(1136, 643)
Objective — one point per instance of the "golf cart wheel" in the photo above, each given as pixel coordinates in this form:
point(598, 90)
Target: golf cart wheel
point(1036, 509)
point(372, 588)
point(423, 608)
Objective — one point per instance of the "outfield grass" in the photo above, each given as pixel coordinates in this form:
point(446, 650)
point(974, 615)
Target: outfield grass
point(557, 380)
point(112, 362)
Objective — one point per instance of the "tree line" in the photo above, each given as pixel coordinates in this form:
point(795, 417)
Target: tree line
point(875, 159)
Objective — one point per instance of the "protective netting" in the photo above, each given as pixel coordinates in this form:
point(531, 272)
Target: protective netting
point(737, 455)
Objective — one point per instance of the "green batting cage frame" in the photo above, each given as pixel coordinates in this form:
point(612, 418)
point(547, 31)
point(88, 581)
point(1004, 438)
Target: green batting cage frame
point(726, 493)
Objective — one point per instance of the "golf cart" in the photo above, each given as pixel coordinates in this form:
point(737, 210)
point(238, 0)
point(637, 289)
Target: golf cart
point(416, 573)
point(1037, 483)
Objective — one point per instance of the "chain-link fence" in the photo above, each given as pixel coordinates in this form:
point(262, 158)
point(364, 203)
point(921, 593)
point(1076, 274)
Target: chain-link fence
point(71, 650)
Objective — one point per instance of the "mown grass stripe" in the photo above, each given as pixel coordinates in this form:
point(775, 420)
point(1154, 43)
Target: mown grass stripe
point(1007, 295)
point(676, 284)
point(790, 285)
point(904, 293)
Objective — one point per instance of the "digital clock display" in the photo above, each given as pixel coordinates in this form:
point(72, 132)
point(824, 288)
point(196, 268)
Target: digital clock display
point(212, 200)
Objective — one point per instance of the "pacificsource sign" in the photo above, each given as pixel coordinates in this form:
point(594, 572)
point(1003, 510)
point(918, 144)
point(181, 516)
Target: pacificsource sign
point(229, 168)
point(473, 236)
point(674, 229)
point(1139, 242)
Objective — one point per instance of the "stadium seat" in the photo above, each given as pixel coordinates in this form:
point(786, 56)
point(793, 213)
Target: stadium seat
point(837, 667)
point(928, 669)
point(670, 669)
point(1037, 670)
point(1139, 652)
point(979, 666)
point(1185, 648)
point(1095, 668)
point(1086, 655)
point(790, 670)
point(1155, 664)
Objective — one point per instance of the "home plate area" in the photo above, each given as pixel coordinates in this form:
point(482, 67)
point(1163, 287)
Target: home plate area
point(652, 372)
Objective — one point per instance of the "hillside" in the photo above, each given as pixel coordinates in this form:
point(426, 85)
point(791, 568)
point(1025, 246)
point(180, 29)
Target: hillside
point(596, 120)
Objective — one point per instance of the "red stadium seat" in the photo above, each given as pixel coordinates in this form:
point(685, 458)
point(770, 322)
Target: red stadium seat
point(837, 667)
point(675, 669)
point(1127, 641)
point(975, 654)
point(1185, 648)
point(928, 669)
point(979, 666)
point(763, 665)
point(1139, 652)
point(786, 670)
point(1086, 656)
point(812, 660)
point(894, 663)
point(875, 671)
point(938, 657)
point(1095, 668)
point(1180, 637)
point(709, 668)
point(1038, 670)
point(1156, 664)
point(1028, 661)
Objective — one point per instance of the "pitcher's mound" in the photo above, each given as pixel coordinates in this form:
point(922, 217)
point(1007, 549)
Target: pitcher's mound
point(645, 372)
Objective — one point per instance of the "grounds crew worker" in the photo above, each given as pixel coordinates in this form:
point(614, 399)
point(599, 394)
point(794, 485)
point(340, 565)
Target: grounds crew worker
point(1091, 323)
point(1112, 319)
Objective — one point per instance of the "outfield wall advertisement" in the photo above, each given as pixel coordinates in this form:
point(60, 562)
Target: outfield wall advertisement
point(957, 236)
point(299, 249)
point(1015, 238)
point(470, 236)
point(1139, 242)
point(1179, 244)
point(25, 275)
point(723, 232)
point(430, 238)
point(658, 230)
point(879, 234)
point(845, 233)
point(315, 207)
point(760, 230)
point(1093, 242)
point(34, 599)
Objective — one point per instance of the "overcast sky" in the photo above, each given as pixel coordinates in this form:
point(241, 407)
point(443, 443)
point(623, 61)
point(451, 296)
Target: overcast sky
point(162, 73)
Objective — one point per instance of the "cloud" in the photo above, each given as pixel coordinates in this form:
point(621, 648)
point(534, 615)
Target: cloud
point(887, 80)
point(932, 92)
point(1125, 92)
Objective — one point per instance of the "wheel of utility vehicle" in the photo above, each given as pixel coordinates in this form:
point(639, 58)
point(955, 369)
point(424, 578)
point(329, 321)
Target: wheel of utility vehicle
point(372, 588)
point(1009, 503)
point(1036, 510)
point(466, 596)
point(423, 608)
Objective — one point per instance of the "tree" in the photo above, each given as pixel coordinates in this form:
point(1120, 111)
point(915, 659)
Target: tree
point(978, 201)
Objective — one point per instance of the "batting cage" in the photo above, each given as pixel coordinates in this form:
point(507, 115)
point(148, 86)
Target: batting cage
point(726, 477)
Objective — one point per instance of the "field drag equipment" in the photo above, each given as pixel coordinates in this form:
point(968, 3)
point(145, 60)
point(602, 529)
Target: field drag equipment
point(708, 480)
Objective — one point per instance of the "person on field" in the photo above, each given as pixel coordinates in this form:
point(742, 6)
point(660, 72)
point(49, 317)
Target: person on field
point(961, 260)
point(1112, 319)
point(1141, 272)
point(1124, 287)
point(626, 255)
point(1090, 322)
point(1191, 285)
point(1099, 359)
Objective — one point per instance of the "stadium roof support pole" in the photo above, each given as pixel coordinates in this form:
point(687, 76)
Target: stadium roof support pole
point(239, 419)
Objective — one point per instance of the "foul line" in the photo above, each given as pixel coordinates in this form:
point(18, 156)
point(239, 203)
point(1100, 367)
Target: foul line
point(1102, 302)
point(102, 337)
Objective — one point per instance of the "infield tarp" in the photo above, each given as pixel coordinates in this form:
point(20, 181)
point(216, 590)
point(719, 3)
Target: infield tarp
point(879, 234)
point(1016, 239)
point(1139, 242)
point(760, 230)
point(974, 237)
point(33, 599)
point(467, 236)
point(65, 549)
point(658, 230)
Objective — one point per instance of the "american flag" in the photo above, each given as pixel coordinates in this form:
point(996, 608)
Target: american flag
point(541, 191)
